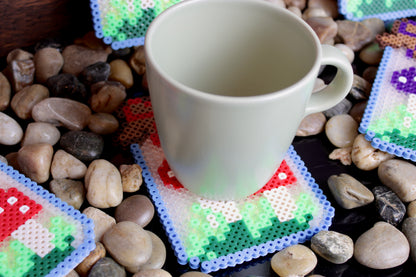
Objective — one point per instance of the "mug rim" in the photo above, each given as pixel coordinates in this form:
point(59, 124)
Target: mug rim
point(150, 59)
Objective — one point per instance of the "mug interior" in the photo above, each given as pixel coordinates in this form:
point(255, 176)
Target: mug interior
point(232, 47)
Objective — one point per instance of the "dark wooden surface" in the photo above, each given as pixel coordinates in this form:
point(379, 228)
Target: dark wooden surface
point(25, 22)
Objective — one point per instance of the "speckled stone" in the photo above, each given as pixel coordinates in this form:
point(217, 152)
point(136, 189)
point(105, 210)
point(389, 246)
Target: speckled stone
point(77, 57)
point(121, 72)
point(334, 247)
point(341, 130)
point(103, 183)
point(158, 257)
point(129, 244)
point(349, 192)
point(85, 266)
point(295, 260)
point(10, 131)
point(70, 191)
point(107, 267)
point(366, 157)
point(103, 123)
point(102, 221)
point(5, 92)
point(411, 209)
point(67, 85)
point(48, 62)
point(152, 273)
point(95, 73)
point(41, 132)
point(23, 101)
point(195, 274)
point(85, 146)
point(131, 177)
point(136, 208)
point(35, 161)
point(312, 124)
point(400, 177)
point(388, 204)
point(381, 247)
point(71, 114)
point(409, 230)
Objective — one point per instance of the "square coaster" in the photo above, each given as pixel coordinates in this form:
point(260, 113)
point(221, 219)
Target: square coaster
point(212, 235)
point(385, 10)
point(389, 121)
point(40, 235)
point(123, 23)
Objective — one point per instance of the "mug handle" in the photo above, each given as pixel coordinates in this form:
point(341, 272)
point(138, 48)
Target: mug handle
point(338, 88)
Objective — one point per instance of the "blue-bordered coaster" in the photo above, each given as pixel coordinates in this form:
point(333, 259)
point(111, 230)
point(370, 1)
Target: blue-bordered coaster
point(123, 23)
point(213, 235)
point(40, 235)
point(384, 9)
point(389, 121)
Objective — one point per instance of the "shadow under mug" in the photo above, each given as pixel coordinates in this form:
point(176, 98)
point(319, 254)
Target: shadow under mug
point(230, 82)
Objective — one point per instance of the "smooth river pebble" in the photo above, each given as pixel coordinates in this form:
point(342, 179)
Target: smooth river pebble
point(107, 267)
point(152, 273)
point(295, 260)
point(64, 165)
point(366, 157)
point(136, 208)
point(70, 191)
point(10, 131)
point(102, 221)
point(35, 161)
point(409, 230)
point(399, 176)
point(341, 130)
point(103, 184)
point(48, 62)
point(381, 247)
point(129, 244)
point(41, 132)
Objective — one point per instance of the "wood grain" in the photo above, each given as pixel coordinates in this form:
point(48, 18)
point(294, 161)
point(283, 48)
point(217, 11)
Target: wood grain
point(25, 22)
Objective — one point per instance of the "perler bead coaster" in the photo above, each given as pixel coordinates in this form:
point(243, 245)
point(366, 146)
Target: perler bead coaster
point(39, 234)
point(123, 23)
point(389, 121)
point(213, 235)
point(384, 9)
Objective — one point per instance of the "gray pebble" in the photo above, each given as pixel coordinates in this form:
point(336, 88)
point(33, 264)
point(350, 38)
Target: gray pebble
point(106, 267)
point(136, 208)
point(388, 204)
point(409, 230)
point(95, 73)
point(334, 247)
point(66, 85)
point(349, 192)
point(295, 260)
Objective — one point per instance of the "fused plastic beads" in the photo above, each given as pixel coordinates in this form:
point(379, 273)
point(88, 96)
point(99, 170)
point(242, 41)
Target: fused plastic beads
point(383, 9)
point(212, 235)
point(123, 23)
point(389, 121)
point(39, 234)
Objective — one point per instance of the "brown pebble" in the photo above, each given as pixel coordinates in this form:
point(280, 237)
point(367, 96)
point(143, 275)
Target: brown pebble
point(48, 62)
point(85, 266)
point(5, 92)
point(121, 72)
point(107, 96)
point(103, 123)
point(24, 100)
point(77, 57)
point(35, 161)
point(137, 61)
point(18, 55)
point(70, 191)
point(152, 273)
point(20, 73)
point(136, 208)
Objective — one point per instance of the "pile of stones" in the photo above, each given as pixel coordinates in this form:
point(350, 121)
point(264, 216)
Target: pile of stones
point(57, 105)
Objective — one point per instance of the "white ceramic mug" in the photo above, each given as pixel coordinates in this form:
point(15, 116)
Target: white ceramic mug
point(230, 82)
